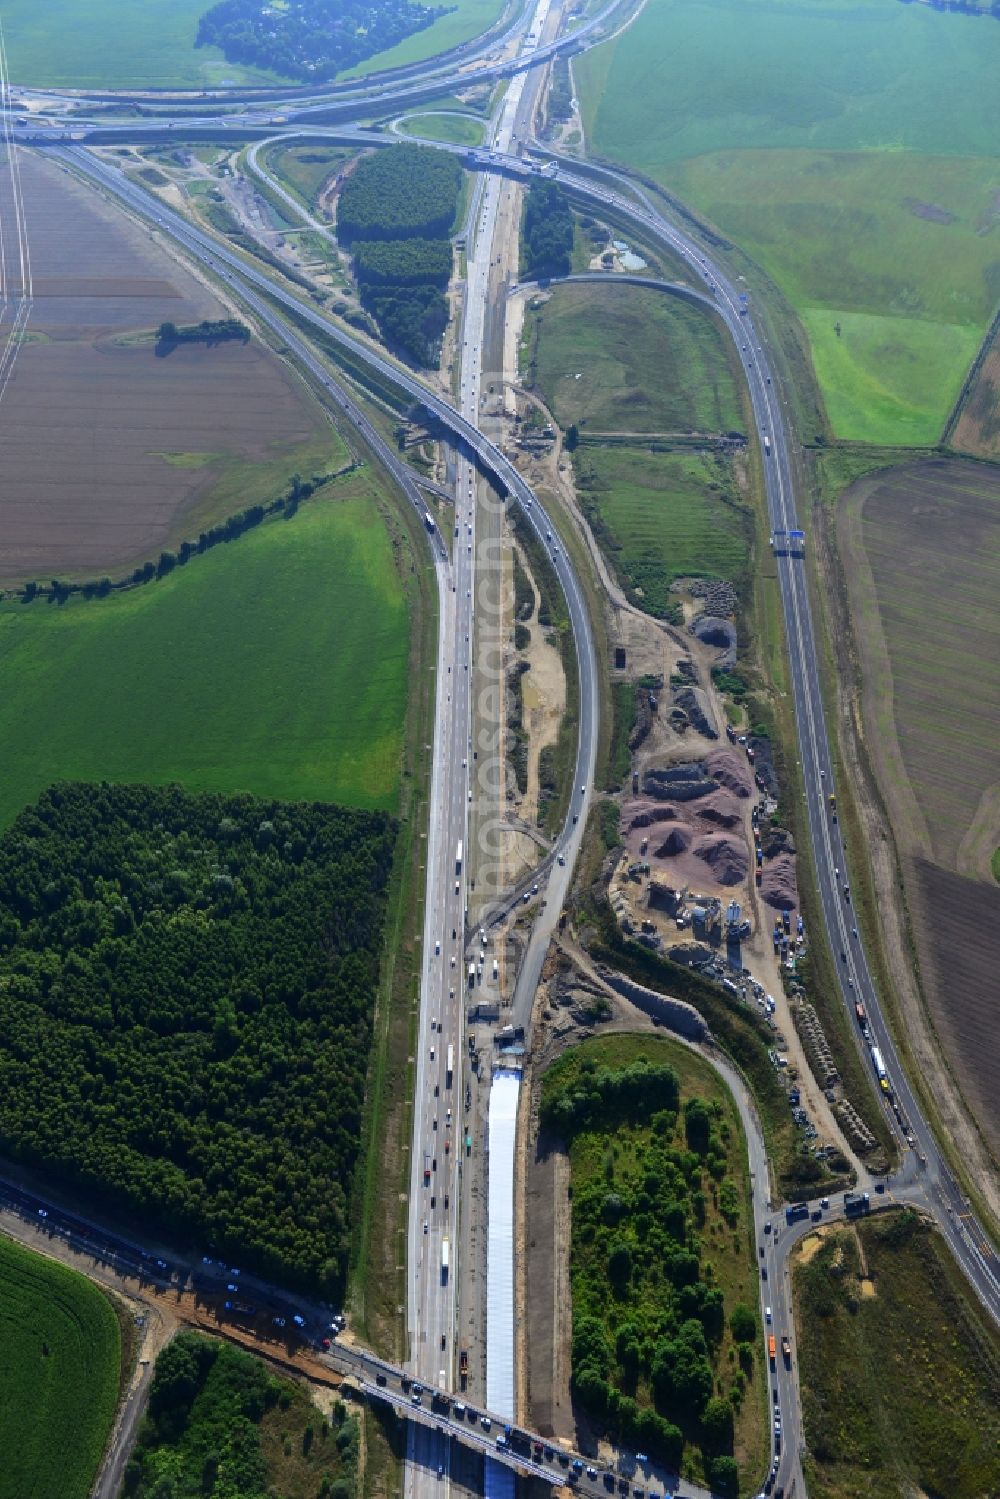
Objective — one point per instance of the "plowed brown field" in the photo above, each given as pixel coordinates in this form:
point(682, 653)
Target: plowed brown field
point(110, 452)
point(977, 430)
point(921, 545)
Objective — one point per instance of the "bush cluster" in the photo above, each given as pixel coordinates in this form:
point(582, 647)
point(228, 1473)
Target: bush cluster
point(648, 1321)
point(547, 235)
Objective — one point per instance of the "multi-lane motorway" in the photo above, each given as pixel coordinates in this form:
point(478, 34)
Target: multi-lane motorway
point(431, 1287)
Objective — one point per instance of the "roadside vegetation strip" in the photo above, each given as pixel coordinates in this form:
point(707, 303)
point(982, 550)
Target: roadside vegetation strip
point(212, 939)
point(274, 665)
point(887, 1296)
point(60, 1367)
point(666, 1348)
point(220, 1422)
point(614, 358)
point(463, 21)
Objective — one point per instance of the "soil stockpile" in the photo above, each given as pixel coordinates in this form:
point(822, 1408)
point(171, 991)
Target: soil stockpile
point(731, 770)
point(676, 842)
point(777, 886)
point(721, 811)
point(725, 856)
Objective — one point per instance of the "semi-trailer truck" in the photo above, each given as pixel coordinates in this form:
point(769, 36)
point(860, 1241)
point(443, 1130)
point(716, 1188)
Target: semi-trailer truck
point(444, 1261)
point(767, 446)
point(772, 1351)
point(450, 1070)
point(458, 857)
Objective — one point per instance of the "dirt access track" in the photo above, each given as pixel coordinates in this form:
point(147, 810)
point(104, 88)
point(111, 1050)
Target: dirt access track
point(110, 451)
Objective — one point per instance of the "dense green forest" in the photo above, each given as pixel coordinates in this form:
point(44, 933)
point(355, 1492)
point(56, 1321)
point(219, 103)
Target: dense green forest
point(311, 40)
point(648, 1173)
point(547, 233)
point(403, 262)
point(402, 192)
point(219, 1424)
point(396, 211)
point(186, 994)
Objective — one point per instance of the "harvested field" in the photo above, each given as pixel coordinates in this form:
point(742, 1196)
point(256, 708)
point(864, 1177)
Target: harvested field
point(921, 551)
point(930, 534)
point(959, 947)
point(977, 430)
point(110, 452)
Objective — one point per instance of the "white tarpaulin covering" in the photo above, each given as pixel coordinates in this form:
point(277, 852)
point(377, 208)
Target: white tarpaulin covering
point(500, 1268)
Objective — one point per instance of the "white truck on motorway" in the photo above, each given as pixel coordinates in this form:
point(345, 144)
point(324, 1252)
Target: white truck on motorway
point(449, 1075)
point(445, 1254)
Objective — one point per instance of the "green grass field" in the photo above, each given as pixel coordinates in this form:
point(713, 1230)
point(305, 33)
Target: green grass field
point(306, 168)
point(620, 359)
point(463, 130)
point(60, 1358)
point(114, 44)
point(885, 379)
point(847, 149)
point(276, 664)
point(465, 19)
point(898, 1366)
point(661, 516)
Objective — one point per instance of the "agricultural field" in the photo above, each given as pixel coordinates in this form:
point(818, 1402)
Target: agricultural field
point(276, 664)
point(921, 550)
point(60, 1365)
point(619, 359)
point(217, 1410)
point(664, 515)
point(845, 149)
point(115, 44)
point(977, 430)
point(887, 1299)
point(111, 450)
point(462, 129)
point(671, 1359)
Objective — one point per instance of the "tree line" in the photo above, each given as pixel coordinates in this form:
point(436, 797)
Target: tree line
point(547, 232)
point(648, 1319)
point(208, 331)
point(187, 985)
point(311, 40)
point(299, 490)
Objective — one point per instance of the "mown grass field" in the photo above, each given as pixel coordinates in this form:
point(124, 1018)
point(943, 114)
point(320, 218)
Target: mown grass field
point(620, 359)
point(899, 1368)
point(114, 44)
point(661, 516)
point(60, 1358)
point(464, 130)
point(615, 1154)
point(306, 168)
point(850, 151)
point(276, 664)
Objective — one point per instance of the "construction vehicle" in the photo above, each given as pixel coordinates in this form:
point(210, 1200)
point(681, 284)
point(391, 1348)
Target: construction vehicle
point(786, 1350)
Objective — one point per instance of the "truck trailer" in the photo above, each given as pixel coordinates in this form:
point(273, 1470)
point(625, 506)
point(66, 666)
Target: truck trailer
point(444, 1261)
point(449, 1075)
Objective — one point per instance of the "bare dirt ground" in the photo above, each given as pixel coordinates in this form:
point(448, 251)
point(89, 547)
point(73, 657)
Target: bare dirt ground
point(977, 430)
point(543, 692)
point(110, 451)
point(896, 832)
